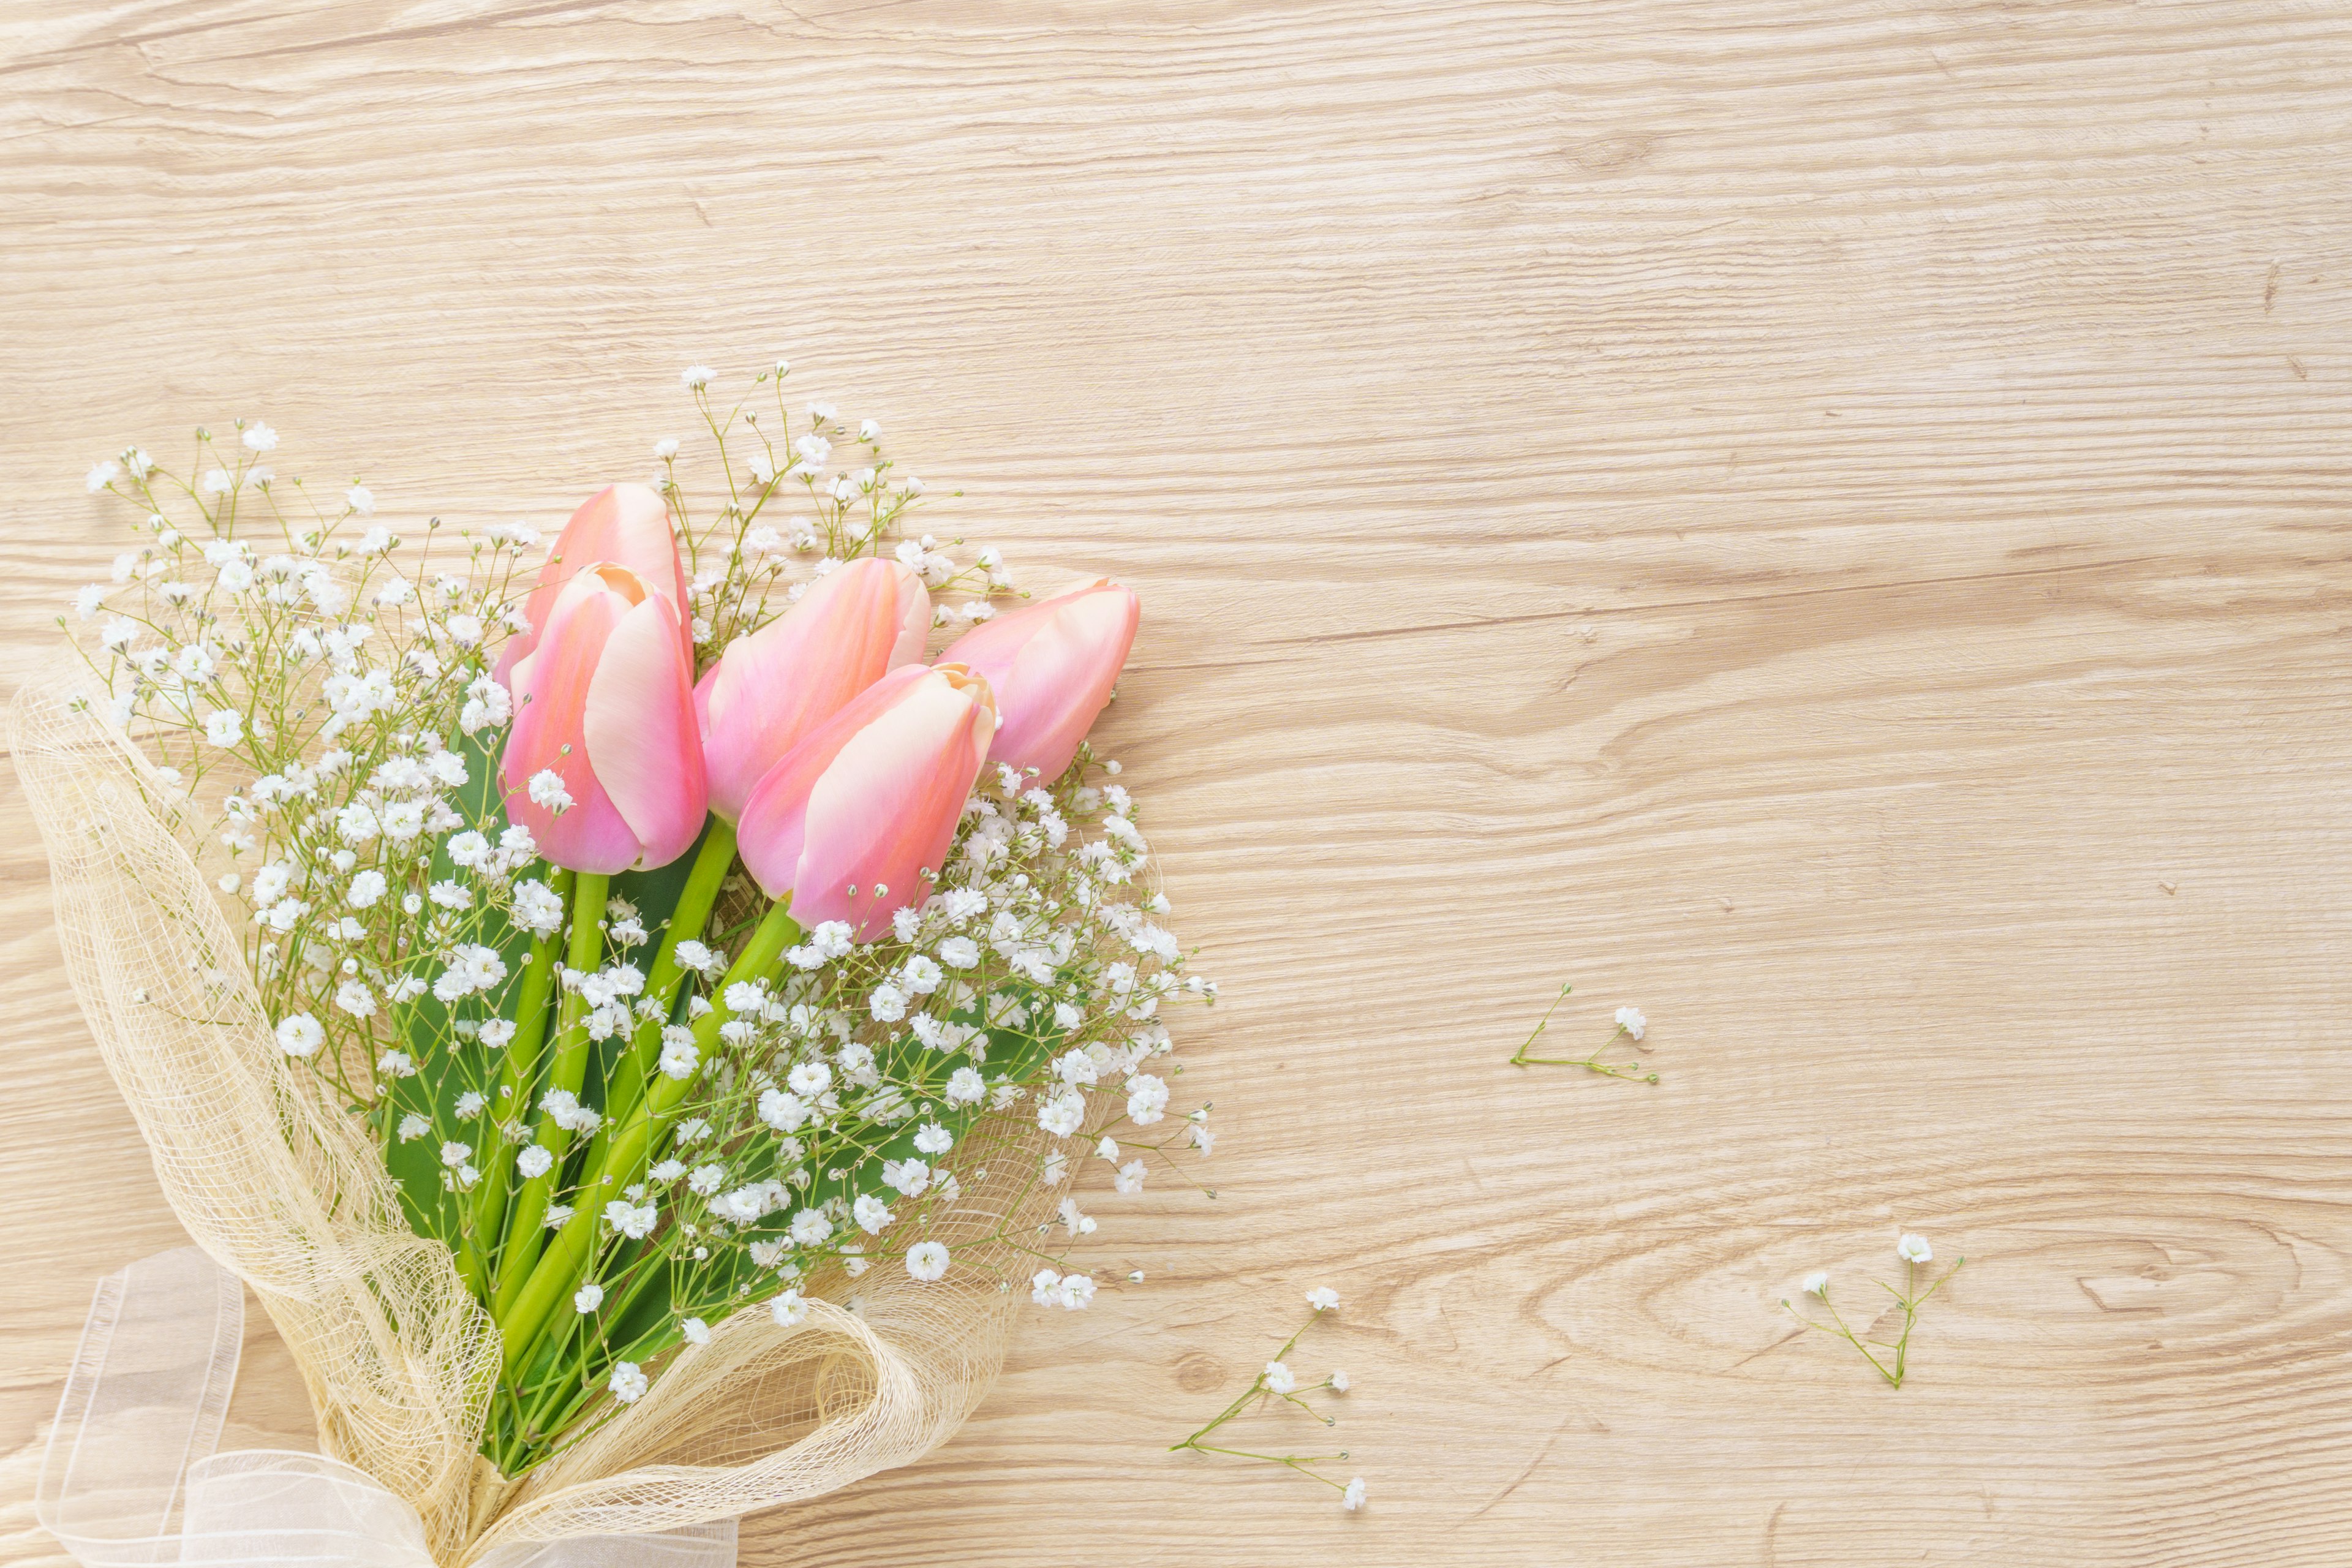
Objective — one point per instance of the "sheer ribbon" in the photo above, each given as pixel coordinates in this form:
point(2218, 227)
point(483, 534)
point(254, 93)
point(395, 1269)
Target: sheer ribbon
point(132, 1479)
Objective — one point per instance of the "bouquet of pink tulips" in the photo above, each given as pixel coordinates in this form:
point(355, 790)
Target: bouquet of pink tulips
point(685, 934)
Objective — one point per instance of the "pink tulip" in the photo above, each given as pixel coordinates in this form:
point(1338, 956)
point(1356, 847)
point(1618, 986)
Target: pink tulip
point(1051, 666)
point(770, 688)
point(605, 702)
point(848, 822)
point(626, 524)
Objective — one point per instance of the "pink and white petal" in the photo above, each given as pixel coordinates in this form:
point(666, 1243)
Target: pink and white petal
point(772, 832)
point(639, 730)
point(887, 807)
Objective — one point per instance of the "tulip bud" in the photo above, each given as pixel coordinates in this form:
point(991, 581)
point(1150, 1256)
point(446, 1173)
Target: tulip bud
point(770, 688)
point(1051, 666)
point(849, 822)
point(626, 524)
point(605, 704)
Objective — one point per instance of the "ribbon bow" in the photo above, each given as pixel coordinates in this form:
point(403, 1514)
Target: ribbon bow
point(130, 1478)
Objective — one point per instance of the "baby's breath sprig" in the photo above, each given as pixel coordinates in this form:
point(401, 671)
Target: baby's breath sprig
point(1631, 1024)
point(1278, 1382)
point(1914, 1250)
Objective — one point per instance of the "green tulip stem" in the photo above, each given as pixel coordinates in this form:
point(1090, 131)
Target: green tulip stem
point(566, 1072)
point(516, 1077)
point(561, 1267)
point(686, 923)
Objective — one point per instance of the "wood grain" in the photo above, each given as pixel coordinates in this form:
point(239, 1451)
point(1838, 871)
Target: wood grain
point(1823, 520)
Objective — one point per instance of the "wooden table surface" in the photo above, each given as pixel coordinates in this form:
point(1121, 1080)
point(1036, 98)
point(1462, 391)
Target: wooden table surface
point(1822, 520)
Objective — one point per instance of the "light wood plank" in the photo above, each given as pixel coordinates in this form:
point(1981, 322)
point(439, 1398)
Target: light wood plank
point(1822, 519)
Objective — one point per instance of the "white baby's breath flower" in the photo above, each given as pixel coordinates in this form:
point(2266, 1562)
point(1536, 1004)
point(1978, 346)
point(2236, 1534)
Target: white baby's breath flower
point(1353, 1497)
point(634, 1221)
point(666, 448)
point(1147, 1098)
point(98, 478)
point(927, 1260)
point(1062, 1114)
point(1817, 1283)
point(547, 791)
point(1279, 1378)
point(534, 1161)
point(224, 727)
point(1323, 1298)
point(413, 1126)
point(629, 1383)
point(588, 1298)
point(788, 1309)
point(261, 438)
point(695, 376)
point(299, 1035)
point(694, 1331)
point(361, 500)
point(1913, 1248)
point(1338, 1381)
point(1630, 1019)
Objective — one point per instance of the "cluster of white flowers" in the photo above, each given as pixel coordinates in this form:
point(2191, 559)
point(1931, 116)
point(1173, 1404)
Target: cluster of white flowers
point(315, 689)
point(1030, 981)
point(800, 506)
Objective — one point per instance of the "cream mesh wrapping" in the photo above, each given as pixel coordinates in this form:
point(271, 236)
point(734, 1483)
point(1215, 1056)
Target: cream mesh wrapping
point(282, 1187)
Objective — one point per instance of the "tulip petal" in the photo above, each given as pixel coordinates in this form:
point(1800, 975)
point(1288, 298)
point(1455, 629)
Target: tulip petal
point(1052, 665)
point(638, 723)
point(773, 825)
point(771, 689)
point(914, 618)
point(626, 524)
point(590, 835)
point(887, 807)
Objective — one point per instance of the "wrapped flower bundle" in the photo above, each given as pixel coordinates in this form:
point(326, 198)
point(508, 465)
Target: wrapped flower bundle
point(631, 1012)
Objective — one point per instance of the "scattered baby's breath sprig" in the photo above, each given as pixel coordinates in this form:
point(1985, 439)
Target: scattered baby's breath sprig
point(1913, 1248)
point(1278, 1382)
point(1631, 1024)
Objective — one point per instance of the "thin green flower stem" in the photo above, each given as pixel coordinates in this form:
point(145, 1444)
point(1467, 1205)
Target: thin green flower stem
point(516, 1079)
point(567, 1388)
point(1257, 1387)
point(558, 1269)
point(1257, 1391)
point(1293, 1461)
point(685, 924)
point(566, 1072)
point(1910, 1305)
point(1631, 1072)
